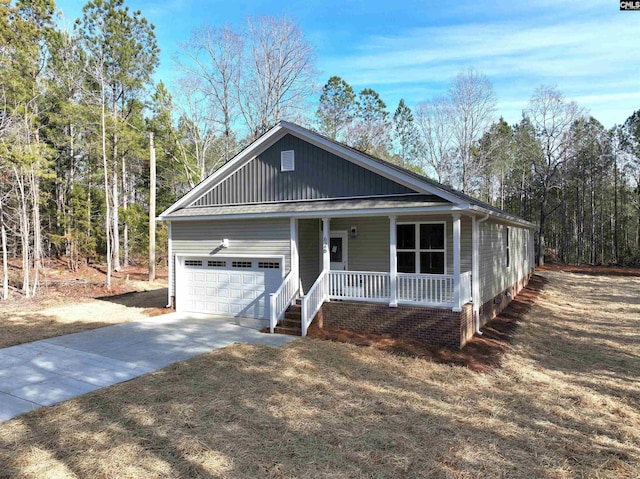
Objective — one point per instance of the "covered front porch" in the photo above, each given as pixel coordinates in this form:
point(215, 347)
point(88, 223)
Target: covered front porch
point(417, 260)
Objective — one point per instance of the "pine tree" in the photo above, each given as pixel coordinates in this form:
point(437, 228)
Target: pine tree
point(406, 133)
point(337, 109)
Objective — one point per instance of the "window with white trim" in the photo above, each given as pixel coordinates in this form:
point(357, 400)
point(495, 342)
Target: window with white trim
point(287, 160)
point(216, 264)
point(507, 247)
point(192, 262)
point(421, 248)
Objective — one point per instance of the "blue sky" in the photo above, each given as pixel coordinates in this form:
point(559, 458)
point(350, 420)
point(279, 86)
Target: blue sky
point(412, 49)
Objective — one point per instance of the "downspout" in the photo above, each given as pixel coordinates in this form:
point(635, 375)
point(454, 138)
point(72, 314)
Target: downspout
point(170, 269)
point(474, 274)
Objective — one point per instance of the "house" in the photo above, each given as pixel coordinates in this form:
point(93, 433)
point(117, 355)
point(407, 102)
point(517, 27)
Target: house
point(362, 243)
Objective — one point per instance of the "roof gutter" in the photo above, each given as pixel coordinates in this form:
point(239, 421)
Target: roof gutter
point(506, 218)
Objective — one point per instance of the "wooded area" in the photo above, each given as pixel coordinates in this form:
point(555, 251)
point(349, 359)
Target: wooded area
point(78, 107)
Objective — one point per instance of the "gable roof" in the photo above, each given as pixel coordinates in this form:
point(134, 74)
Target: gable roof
point(415, 182)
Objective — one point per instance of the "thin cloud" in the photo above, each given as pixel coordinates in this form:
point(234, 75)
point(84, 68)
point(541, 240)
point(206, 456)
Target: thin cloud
point(517, 56)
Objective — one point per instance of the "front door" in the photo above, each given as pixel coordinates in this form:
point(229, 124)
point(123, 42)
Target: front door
point(338, 250)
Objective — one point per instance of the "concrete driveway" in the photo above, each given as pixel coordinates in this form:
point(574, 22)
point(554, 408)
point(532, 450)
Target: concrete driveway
point(46, 372)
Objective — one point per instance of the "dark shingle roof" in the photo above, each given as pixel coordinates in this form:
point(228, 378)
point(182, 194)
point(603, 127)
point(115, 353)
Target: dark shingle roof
point(469, 199)
point(315, 206)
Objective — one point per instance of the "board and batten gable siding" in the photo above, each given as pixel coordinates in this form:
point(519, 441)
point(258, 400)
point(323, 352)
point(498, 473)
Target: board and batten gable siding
point(495, 276)
point(318, 174)
point(256, 238)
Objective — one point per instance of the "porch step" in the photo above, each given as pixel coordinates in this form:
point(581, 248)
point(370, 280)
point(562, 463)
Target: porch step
point(292, 331)
point(293, 312)
point(291, 323)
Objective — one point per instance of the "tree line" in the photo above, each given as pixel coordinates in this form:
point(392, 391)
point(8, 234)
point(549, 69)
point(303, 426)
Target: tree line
point(78, 106)
point(557, 167)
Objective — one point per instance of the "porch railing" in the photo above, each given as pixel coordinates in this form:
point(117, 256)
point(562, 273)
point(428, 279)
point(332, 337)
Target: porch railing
point(282, 298)
point(359, 285)
point(312, 301)
point(425, 289)
point(420, 289)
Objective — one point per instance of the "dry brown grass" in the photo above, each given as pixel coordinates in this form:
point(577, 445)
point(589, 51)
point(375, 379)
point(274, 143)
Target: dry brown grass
point(565, 403)
point(26, 320)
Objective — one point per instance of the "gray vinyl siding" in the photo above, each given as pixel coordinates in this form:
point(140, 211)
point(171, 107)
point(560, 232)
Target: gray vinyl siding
point(318, 174)
point(495, 276)
point(369, 250)
point(466, 249)
point(309, 251)
point(246, 237)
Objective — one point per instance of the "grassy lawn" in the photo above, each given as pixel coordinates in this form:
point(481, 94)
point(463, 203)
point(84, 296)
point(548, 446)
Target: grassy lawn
point(565, 403)
point(26, 320)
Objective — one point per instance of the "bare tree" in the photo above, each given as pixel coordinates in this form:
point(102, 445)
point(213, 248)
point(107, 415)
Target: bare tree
point(277, 76)
point(213, 64)
point(434, 119)
point(474, 104)
point(198, 125)
point(551, 117)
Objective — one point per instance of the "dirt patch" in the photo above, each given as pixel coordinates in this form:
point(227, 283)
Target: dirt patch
point(72, 301)
point(482, 353)
point(25, 320)
point(597, 270)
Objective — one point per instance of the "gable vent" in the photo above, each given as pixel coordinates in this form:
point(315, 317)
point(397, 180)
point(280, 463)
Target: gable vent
point(287, 160)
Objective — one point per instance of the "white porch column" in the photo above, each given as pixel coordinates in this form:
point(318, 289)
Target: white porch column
point(325, 244)
point(295, 260)
point(393, 263)
point(456, 262)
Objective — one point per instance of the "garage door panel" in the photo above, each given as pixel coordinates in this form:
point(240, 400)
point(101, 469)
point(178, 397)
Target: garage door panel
point(248, 294)
point(212, 287)
point(217, 287)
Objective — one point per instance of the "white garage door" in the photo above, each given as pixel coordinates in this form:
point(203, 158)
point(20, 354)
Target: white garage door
point(234, 286)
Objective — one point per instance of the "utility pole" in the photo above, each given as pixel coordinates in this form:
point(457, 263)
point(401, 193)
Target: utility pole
point(152, 209)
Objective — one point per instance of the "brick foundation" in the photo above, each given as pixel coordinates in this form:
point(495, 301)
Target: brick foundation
point(494, 307)
point(431, 325)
